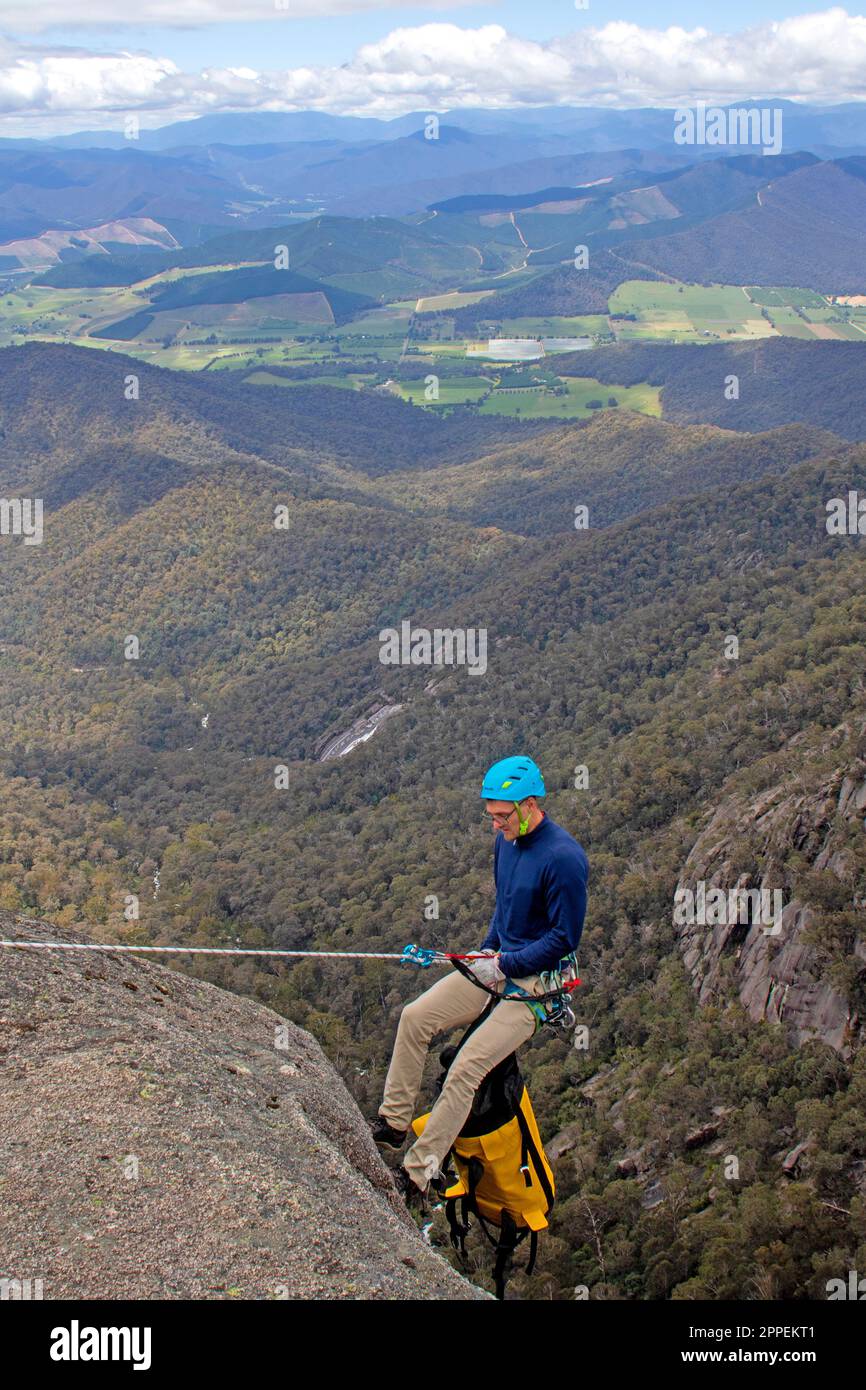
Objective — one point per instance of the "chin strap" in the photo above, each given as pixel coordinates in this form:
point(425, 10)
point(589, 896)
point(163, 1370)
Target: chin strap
point(524, 824)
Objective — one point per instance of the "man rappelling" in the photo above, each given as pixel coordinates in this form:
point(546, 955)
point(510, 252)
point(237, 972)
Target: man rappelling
point(541, 873)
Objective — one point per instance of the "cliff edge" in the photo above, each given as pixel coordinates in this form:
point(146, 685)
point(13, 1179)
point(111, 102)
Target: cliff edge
point(161, 1138)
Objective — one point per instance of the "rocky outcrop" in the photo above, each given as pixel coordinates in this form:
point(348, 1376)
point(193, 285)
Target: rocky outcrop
point(161, 1138)
point(338, 744)
point(776, 972)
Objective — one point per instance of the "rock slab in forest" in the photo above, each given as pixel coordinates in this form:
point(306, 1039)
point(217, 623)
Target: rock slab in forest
point(155, 1143)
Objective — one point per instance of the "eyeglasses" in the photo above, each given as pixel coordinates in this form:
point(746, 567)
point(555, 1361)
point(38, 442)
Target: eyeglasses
point(500, 816)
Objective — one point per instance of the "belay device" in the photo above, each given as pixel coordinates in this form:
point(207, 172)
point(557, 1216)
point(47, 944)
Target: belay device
point(503, 1174)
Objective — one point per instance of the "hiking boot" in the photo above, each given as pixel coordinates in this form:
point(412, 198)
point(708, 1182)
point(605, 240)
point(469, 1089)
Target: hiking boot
point(385, 1134)
point(411, 1194)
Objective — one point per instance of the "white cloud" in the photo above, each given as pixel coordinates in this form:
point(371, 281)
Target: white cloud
point(821, 57)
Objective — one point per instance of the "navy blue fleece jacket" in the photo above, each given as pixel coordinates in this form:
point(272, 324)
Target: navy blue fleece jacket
point(541, 881)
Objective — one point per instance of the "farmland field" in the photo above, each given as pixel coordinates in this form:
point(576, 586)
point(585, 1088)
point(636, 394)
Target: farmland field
point(585, 326)
point(231, 356)
point(702, 313)
point(804, 314)
point(455, 300)
point(452, 390)
point(685, 313)
point(532, 401)
point(580, 390)
point(851, 330)
point(352, 381)
point(779, 296)
point(59, 314)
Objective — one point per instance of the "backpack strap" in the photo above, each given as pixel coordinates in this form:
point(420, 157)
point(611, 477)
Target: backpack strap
point(475, 1174)
point(459, 1229)
point(528, 1147)
point(509, 1239)
point(524, 1156)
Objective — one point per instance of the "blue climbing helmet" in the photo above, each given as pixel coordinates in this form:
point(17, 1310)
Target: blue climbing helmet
point(512, 779)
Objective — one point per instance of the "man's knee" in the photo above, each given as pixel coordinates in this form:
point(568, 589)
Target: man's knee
point(414, 1019)
point(467, 1072)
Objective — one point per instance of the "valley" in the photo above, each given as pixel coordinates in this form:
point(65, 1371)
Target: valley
point(412, 348)
point(305, 396)
point(472, 282)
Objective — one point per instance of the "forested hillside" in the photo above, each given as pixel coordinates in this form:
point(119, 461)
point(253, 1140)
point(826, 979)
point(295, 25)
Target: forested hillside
point(615, 465)
point(59, 404)
point(562, 291)
point(778, 381)
point(804, 228)
point(607, 650)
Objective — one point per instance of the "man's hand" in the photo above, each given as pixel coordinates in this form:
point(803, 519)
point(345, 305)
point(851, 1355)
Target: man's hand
point(486, 968)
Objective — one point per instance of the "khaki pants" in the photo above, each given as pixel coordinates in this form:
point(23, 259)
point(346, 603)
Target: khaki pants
point(453, 1002)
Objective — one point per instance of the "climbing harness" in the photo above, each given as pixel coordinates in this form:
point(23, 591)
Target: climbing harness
point(552, 1005)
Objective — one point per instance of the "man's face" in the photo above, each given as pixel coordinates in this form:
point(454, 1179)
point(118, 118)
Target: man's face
point(504, 817)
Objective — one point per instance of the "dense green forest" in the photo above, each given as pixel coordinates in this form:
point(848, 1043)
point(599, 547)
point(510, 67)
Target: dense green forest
point(565, 290)
point(532, 488)
point(322, 246)
point(154, 777)
point(779, 380)
point(805, 228)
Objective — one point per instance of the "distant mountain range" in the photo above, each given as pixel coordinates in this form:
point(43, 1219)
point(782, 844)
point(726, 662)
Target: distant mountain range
point(595, 128)
point(256, 167)
point(743, 219)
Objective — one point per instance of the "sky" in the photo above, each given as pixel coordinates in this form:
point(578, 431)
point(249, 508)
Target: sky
point(72, 64)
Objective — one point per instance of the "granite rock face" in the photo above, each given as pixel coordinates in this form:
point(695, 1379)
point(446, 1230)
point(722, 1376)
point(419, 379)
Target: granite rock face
point(161, 1138)
point(776, 972)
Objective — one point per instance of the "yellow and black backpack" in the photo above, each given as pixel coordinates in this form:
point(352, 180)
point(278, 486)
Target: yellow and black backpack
point(502, 1172)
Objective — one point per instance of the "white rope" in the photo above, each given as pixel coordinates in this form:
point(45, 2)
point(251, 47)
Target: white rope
point(201, 950)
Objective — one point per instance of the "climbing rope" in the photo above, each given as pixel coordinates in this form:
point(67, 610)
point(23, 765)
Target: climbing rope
point(196, 950)
point(423, 956)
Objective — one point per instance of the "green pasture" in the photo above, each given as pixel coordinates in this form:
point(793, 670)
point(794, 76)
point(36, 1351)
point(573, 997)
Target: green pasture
point(351, 381)
point(531, 402)
point(534, 404)
point(775, 296)
point(584, 326)
point(455, 390)
point(685, 313)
